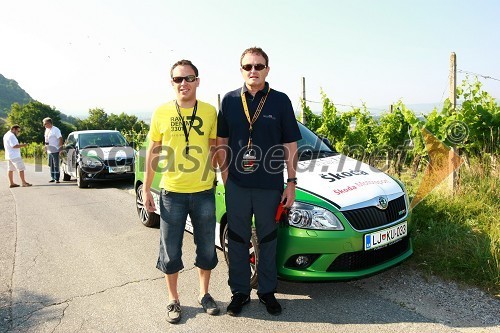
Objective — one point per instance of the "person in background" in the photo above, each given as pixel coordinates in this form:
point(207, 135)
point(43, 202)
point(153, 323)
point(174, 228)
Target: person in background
point(185, 129)
point(53, 145)
point(257, 134)
point(13, 155)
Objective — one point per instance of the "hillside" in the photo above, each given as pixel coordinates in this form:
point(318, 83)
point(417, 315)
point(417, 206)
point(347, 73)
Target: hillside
point(11, 92)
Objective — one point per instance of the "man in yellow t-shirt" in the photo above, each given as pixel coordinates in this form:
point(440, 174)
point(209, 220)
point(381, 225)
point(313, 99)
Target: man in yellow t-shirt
point(182, 137)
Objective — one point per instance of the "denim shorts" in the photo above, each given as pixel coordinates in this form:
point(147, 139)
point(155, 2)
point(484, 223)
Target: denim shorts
point(174, 209)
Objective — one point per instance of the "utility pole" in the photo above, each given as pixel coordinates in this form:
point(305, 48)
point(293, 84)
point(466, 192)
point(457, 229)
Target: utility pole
point(218, 102)
point(302, 118)
point(453, 80)
point(453, 178)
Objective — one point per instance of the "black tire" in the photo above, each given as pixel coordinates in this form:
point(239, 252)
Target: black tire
point(66, 177)
point(253, 255)
point(81, 183)
point(150, 220)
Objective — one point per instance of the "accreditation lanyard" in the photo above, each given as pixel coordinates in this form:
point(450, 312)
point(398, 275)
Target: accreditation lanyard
point(191, 122)
point(255, 116)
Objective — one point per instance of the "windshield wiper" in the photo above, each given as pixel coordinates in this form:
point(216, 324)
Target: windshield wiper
point(311, 154)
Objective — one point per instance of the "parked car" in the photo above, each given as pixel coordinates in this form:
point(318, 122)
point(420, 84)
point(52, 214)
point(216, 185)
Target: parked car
point(95, 156)
point(349, 219)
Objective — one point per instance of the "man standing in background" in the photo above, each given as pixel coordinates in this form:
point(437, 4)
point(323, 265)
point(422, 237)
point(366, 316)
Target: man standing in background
point(53, 145)
point(13, 155)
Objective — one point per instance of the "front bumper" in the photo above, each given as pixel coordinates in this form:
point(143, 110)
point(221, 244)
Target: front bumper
point(102, 174)
point(335, 255)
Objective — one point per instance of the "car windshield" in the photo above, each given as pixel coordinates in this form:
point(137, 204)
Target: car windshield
point(311, 146)
point(102, 139)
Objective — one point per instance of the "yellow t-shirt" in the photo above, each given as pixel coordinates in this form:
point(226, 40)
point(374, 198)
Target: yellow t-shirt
point(181, 172)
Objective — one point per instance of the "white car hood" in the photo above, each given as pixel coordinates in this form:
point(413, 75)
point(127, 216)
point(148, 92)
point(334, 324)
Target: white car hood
point(346, 182)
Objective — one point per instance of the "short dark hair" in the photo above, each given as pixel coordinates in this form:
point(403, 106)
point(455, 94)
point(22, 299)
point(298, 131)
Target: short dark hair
point(184, 62)
point(255, 50)
point(16, 126)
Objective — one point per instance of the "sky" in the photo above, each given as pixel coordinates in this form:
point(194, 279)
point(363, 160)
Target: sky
point(116, 54)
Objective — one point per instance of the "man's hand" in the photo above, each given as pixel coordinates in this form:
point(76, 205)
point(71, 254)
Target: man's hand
point(149, 202)
point(224, 176)
point(288, 197)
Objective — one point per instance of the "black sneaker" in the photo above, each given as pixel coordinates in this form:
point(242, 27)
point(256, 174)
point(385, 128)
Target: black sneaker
point(52, 180)
point(237, 302)
point(272, 305)
point(209, 305)
point(174, 312)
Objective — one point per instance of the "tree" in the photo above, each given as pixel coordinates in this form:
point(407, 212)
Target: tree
point(133, 129)
point(30, 116)
point(97, 119)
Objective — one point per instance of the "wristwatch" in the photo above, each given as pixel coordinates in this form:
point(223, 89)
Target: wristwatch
point(292, 180)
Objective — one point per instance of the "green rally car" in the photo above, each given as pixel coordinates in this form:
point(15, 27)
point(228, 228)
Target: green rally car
point(349, 220)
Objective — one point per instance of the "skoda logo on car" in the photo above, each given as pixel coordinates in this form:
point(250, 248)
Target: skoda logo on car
point(383, 202)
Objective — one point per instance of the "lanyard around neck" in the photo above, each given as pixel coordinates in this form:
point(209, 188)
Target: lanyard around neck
point(191, 122)
point(257, 112)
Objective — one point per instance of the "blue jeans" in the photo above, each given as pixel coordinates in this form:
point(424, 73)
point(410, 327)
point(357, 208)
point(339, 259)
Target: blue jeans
point(54, 165)
point(174, 209)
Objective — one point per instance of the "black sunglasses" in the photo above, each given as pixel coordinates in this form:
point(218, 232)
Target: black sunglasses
point(258, 67)
point(189, 78)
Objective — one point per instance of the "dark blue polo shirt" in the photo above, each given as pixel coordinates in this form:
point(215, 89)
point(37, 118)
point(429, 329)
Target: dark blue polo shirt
point(276, 125)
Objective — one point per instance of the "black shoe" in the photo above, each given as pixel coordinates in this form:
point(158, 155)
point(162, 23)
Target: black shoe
point(237, 302)
point(57, 182)
point(272, 305)
point(52, 180)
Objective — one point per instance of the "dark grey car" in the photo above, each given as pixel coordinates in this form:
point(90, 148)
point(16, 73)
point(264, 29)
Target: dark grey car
point(95, 156)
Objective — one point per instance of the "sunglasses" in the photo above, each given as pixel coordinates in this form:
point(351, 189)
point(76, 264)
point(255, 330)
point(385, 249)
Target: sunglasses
point(189, 78)
point(258, 67)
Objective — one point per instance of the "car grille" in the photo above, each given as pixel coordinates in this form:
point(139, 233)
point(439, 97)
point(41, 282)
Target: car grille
point(354, 261)
point(125, 161)
point(372, 217)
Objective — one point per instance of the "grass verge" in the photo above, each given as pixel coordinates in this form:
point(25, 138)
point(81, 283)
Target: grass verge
point(458, 237)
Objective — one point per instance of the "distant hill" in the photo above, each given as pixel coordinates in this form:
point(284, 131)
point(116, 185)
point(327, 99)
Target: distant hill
point(11, 92)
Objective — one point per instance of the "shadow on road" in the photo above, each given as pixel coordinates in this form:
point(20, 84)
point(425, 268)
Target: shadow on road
point(28, 310)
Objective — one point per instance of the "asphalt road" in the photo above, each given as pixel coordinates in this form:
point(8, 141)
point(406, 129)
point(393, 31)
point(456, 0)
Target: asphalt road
point(78, 260)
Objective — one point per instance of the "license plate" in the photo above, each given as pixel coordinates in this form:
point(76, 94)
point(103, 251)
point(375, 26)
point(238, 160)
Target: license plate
point(119, 169)
point(386, 236)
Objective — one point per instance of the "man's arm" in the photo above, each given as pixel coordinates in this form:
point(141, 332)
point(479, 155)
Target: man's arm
point(222, 154)
point(291, 160)
point(61, 142)
point(151, 164)
point(212, 143)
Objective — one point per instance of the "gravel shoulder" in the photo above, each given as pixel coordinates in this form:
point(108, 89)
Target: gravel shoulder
point(442, 301)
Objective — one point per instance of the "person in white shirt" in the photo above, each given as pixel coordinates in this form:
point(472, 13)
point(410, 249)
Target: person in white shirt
point(13, 155)
point(53, 145)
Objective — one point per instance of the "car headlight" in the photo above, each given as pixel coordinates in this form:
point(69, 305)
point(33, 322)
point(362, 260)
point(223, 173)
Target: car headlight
point(313, 217)
point(92, 163)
